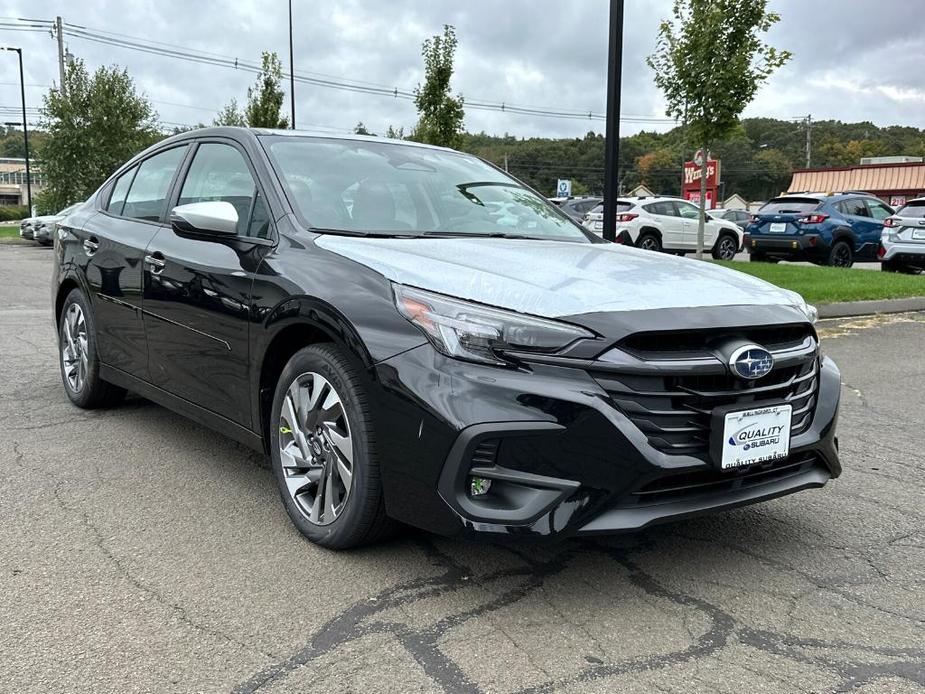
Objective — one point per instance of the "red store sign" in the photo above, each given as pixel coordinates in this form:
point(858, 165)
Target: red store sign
point(690, 188)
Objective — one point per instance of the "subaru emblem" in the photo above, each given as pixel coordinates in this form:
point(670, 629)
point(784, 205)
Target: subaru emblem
point(751, 362)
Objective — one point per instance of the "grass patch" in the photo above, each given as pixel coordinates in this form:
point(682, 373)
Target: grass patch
point(828, 285)
point(9, 231)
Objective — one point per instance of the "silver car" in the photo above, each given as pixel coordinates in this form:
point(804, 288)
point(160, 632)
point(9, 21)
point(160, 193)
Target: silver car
point(25, 228)
point(902, 243)
point(43, 228)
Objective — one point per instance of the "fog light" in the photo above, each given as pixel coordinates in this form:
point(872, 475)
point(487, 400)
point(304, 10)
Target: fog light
point(479, 486)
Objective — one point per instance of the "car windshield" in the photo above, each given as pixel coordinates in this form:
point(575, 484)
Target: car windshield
point(362, 187)
point(790, 206)
point(913, 209)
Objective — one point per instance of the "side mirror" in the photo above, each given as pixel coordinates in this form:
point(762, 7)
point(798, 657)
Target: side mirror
point(213, 218)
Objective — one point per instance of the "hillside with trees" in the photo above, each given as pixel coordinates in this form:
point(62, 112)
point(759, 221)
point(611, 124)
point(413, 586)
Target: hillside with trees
point(757, 158)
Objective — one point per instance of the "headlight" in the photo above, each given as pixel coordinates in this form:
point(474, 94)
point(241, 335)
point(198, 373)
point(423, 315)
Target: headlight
point(478, 333)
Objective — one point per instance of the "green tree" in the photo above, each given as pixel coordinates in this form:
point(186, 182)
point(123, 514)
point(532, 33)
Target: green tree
point(361, 129)
point(660, 171)
point(265, 98)
point(440, 115)
point(231, 115)
point(100, 124)
point(709, 62)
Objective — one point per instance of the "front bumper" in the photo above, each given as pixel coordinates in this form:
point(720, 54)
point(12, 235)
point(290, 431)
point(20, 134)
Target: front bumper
point(563, 459)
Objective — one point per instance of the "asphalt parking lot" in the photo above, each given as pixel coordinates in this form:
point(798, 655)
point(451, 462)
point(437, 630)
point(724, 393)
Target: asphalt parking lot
point(141, 552)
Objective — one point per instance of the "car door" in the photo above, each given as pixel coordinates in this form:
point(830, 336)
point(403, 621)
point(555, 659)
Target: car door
point(668, 221)
point(690, 216)
point(197, 288)
point(113, 243)
point(870, 243)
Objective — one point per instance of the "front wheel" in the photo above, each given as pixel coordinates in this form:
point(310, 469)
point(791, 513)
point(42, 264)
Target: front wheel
point(80, 365)
point(324, 451)
point(726, 248)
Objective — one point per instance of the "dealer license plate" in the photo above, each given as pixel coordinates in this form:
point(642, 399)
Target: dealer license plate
point(778, 227)
point(919, 234)
point(756, 436)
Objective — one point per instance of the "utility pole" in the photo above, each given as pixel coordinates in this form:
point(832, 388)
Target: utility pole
point(612, 137)
point(25, 126)
point(59, 30)
point(291, 70)
point(809, 141)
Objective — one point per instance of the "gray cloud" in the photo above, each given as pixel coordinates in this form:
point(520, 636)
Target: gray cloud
point(854, 60)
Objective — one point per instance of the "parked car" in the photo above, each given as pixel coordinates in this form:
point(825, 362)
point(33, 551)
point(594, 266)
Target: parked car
point(25, 228)
point(43, 227)
point(412, 359)
point(668, 224)
point(828, 229)
point(741, 218)
point(902, 245)
point(577, 208)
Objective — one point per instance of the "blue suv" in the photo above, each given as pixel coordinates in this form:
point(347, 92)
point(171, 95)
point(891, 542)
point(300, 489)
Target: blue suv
point(828, 229)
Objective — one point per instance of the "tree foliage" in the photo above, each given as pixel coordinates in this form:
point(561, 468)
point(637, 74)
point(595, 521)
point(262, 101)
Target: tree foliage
point(265, 98)
point(709, 61)
point(231, 115)
point(440, 115)
point(100, 124)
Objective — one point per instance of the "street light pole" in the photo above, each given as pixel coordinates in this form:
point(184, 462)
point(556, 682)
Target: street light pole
point(612, 137)
point(291, 70)
point(25, 127)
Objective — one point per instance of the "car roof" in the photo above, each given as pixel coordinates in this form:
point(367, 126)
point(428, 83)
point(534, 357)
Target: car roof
point(248, 133)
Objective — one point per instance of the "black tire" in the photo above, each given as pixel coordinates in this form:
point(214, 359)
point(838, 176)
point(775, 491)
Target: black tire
point(93, 392)
point(761, 258)
point(726, 247)
point(362, 520)
point(649, 242)
point(840, 255)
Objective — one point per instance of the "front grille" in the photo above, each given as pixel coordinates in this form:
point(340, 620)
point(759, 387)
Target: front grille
point(700, 482)
point(672, 403)
point(651, 345)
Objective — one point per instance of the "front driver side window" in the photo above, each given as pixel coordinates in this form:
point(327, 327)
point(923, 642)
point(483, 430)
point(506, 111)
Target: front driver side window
point(220, 173)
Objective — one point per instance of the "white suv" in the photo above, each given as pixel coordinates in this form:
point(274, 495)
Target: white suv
point(668, 224)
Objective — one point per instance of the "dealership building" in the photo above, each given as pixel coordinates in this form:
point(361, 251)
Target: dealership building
point(895, 180)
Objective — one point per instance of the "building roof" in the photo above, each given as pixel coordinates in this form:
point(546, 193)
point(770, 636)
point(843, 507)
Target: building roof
point(885, 178)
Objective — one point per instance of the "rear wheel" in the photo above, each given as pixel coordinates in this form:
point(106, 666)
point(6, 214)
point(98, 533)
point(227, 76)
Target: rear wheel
point(324, 451)
point(841, 255)
point(80, 366)
point(649, 242)
point(726, 247)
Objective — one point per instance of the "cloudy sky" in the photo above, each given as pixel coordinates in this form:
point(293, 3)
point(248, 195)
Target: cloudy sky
point(854, 59)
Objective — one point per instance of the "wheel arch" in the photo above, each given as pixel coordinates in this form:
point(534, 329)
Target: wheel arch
point(650, 230)
point(297, 323)
point(845, 234)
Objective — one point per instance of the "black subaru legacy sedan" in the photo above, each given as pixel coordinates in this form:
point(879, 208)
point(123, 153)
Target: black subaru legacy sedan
point(412, 335)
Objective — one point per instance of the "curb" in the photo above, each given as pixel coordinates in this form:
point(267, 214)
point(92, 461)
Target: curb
point(850, 309)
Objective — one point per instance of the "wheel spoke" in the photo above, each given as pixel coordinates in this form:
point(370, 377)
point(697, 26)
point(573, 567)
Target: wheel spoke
point(329, 513)
point(290, 414)
point(346, 475)
point(343, 444)
point(315, 514)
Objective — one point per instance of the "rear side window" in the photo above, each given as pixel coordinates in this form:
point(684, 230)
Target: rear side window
point(662, 208)
point(147, 197)
point(119, 191)
point(790, 206)
point(913, 209)
point(621, 207)
point(853, 208)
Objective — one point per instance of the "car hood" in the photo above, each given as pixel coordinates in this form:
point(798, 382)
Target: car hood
point(553, 278)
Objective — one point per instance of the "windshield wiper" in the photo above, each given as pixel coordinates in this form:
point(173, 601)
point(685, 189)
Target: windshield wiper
point(483, 235)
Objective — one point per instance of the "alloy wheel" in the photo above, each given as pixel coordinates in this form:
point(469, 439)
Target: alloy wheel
point(727, 248)
point(316, 449)
point(841, 255)
point(649, 244)
point(74, 348)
